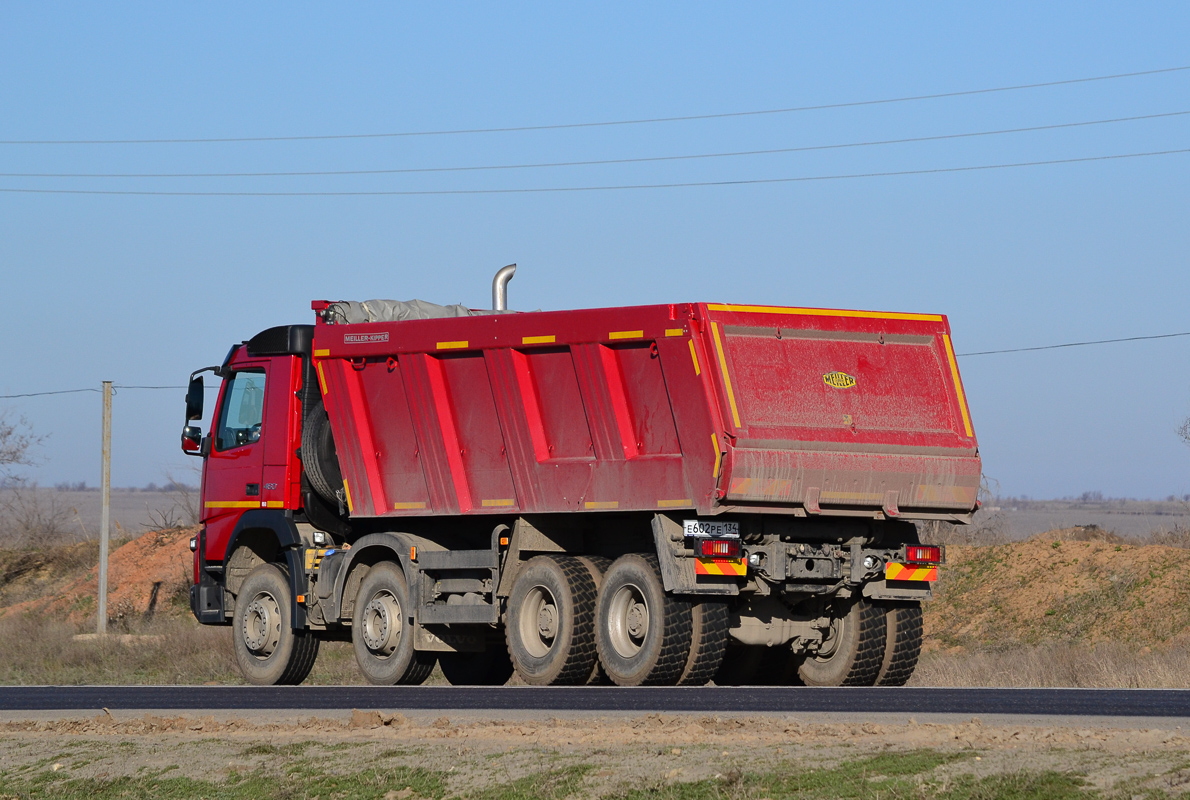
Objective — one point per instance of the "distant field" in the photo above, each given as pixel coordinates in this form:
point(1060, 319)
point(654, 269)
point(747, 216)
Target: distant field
point(1129, 518)
point(76, 514)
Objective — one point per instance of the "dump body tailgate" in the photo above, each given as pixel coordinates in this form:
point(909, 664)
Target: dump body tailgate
point(842, 411)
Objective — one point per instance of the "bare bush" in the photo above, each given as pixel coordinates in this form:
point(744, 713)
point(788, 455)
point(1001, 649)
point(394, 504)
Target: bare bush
point(183, 511)
point(1184, 430)
point(30, 517)
point(16, 441)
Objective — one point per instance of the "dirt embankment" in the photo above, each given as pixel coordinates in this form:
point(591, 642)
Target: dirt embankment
point(1055, 588)
point(144, 575)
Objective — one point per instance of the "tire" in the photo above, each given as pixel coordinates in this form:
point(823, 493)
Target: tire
point(319, 457)
point(597, 566)
point(642, 633)
point(268, 650)
point(854, 649)
point(708, 642)
point(740, 666)
point(902, 644)
point(492, 667)
point(382, 630)
point(550, 627)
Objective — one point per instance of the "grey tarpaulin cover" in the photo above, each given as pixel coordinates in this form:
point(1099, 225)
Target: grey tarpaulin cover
point(352, 311)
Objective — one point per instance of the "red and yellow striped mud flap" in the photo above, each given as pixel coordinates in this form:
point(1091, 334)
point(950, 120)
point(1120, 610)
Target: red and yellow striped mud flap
point(903, 572)
point(721, 566)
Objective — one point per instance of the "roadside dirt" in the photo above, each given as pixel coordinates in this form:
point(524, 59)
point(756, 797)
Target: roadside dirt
point(611, 755)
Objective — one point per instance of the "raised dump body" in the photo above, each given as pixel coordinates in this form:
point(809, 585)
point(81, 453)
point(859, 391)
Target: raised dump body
point(649, 495)
point(707, 407)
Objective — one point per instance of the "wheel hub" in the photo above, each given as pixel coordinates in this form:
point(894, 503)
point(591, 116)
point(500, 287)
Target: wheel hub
point(628, 620)
point(382, 624)
point(262, 625)
point(539, 621)
point(547, 621)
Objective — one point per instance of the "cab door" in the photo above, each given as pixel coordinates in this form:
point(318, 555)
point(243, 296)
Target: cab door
point(235, 465)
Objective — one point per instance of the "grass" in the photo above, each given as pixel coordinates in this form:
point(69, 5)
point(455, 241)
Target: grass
point(888, 776)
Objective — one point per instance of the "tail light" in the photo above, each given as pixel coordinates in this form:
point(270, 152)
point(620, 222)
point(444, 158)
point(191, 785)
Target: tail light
point(718, 548)
point(923, 554)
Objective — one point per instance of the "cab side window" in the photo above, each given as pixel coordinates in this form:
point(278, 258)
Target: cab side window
point(242, 413)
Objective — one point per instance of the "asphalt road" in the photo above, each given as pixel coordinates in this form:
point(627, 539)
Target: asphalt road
point(1064, 702)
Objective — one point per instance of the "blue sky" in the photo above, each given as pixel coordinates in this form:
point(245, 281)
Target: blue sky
point(142, 290)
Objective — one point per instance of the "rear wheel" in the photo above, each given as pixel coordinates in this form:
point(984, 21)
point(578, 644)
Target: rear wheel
point(902, 645)
point(382, 630)
point(853, 650)
point(708, 642)
point(492, 667)
point(550, 627)
point(642, 634)
point(268, 650)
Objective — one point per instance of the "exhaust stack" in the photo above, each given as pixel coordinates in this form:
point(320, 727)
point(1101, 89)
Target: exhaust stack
point(500, 287)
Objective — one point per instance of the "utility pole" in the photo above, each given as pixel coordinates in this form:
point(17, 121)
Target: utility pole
point(106, 514)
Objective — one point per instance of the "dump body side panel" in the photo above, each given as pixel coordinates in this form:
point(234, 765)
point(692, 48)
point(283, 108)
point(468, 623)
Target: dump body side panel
point(600, 410)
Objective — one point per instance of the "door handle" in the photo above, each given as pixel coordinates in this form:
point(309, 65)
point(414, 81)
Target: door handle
point(252, 490)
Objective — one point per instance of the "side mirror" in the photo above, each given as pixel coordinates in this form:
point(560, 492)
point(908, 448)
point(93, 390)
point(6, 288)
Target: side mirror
point(191, 439)
point(194, 396)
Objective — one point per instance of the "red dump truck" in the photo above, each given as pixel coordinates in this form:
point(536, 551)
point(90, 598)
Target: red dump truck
point(665, 494)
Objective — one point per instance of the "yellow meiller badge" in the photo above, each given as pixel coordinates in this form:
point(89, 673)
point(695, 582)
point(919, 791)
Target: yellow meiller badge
point(839, 380)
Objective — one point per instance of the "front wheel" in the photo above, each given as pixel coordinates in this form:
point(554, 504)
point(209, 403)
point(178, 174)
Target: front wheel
point(382, 630)
point(268, 650)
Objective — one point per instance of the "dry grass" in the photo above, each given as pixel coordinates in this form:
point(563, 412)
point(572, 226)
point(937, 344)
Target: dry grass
point(174, 650)
point(1106, 666)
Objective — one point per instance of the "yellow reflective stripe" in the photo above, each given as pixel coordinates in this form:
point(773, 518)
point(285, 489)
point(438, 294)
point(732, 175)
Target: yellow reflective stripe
point(405, 506)
point(232, 504)
point(347, 491)
point(321, 377)
point(694, 356)
point(825, 312)
point(626, 335)
point(685, 502)
point(273, 504)
point(498, 503)
point(718, 455)
point(603, 504)
point(958, 384)
point(452, 345)
point(674, 331)
point(537, 340)
point(735, 412)
point(321, 353)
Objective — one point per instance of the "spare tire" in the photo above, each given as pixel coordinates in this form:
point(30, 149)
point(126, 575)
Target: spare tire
point(319, 458)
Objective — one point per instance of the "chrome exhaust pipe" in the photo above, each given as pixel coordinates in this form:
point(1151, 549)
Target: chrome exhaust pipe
point(500, 287)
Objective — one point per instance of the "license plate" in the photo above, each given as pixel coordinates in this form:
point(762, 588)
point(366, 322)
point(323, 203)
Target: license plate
point(713, 529)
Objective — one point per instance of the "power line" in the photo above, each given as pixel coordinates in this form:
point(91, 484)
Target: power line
point(620, 187)
point(588, 163)
point(603, 124)
point(44, 394)
point(1073, 344)
point(76, 391)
